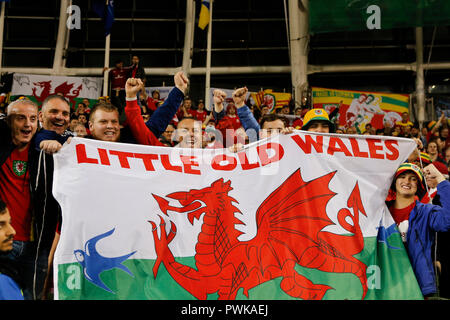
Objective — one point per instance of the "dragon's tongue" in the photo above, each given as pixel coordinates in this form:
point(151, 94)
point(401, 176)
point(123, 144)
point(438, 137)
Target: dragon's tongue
point(191, 218)
point(194, 214)
point(164, 206)
point(193, 206)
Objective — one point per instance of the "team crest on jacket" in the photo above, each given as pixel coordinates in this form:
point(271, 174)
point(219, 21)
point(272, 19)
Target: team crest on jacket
point(19, 167)
point(290, 223)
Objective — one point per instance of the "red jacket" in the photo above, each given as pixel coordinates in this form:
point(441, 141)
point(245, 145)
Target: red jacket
point(140, 131)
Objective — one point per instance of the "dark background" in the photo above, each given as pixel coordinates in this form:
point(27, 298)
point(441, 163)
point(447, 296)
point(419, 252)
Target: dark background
point(245, 33)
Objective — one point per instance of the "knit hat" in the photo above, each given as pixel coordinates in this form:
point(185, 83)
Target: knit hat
point(442, 168)
point(431, 124)
point(425, 158)
point(416, 170)
point(316, 114)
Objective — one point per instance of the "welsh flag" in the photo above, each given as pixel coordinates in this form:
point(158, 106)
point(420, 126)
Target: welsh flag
point(273, 100)
point(38, 87)
point(358, 108)
point(299, 216)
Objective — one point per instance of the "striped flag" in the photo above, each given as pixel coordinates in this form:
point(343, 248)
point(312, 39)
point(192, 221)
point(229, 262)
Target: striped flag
point(273, 100)
point(203, 19)
point(358, 108)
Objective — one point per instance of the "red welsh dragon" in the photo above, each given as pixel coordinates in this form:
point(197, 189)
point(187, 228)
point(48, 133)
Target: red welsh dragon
point(289, 232)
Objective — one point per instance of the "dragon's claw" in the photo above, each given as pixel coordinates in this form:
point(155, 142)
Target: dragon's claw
point(162, 242)
point(173, 227)
point(153, 226)
point(172, 232)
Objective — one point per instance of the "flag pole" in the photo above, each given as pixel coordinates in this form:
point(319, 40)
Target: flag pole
point(106, 73)
point(60, 40)
point(208, 59)
point(106, 65)
point(189, 37)
point(66, 44)
point(2, 26)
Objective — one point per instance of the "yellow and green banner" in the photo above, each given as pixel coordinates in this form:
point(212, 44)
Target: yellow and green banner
point(358, 108)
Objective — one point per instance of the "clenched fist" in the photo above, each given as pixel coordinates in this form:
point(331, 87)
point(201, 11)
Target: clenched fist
point(219, 96)
point(181, 81)
point(50, 146)
point(133, 86)
point(239, 97)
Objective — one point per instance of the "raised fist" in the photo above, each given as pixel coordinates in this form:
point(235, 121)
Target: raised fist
point(219, 96)
point(239, 97)
point(133, 86)
point(181, 81)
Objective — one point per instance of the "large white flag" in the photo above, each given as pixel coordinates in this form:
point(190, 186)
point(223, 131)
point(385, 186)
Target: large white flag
point(292, 216)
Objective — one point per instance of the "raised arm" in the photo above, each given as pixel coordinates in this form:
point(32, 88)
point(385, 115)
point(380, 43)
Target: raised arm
point(140, 131)
point(439, 219)
point(162, 116)
point(219, 97)
point(438, 124)
point(247, 118)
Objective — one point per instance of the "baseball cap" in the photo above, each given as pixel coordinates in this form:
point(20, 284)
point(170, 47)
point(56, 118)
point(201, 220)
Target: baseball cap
point(316, 114)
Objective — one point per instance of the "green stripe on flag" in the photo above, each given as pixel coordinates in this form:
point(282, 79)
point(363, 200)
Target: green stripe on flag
point(389, 276)
point(396, 102)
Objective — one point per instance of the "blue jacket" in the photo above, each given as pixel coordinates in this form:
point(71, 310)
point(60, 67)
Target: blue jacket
point(424, 220)
point(249, 123)
point(9, 290)
point(43, 134)
point(10, 279)
point(162, 116)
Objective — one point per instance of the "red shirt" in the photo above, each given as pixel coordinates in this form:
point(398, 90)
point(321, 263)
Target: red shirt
point(400, 215)
point(227, 126)
point(152, 104)
point(229, 122)
point(118, 78)
point(199, 115)
point(15, 191)
point(429, 198)
point(180, 113)
point(140, 131)
point(297, 124)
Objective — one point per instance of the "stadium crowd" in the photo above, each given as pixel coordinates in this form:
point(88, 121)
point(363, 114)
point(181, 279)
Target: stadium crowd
point(30, 218)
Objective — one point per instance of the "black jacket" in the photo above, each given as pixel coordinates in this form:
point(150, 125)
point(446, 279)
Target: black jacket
point(11, 269)
point(140, 72)
point(46, 212)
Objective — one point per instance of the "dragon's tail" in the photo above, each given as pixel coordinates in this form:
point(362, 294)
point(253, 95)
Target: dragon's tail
point(316, 258)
